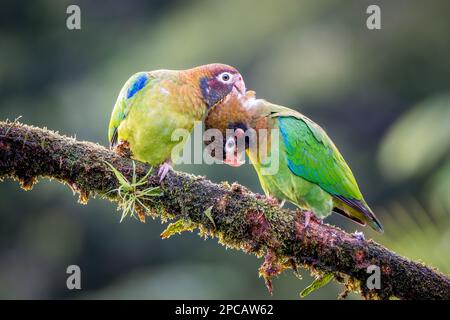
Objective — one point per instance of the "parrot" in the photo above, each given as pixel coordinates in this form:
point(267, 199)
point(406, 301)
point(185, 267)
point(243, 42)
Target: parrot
point(312, 174)
point(152, 104)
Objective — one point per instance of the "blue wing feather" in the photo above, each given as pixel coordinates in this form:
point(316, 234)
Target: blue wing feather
point(133, 86)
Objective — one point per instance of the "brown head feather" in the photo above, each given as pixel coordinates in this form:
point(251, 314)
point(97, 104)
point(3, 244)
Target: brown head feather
point(215, 81)
point(230, 110)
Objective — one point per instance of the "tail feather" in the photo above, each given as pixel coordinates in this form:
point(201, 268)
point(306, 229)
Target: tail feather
point(114, 139)
point(358, 211)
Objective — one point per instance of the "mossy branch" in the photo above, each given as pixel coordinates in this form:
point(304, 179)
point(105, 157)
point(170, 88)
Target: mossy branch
point(237, 217)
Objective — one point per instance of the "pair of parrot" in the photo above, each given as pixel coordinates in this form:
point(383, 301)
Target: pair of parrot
point(151, 105)
point(312, 173)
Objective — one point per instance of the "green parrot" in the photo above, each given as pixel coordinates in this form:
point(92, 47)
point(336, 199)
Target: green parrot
point(151, 105)
point(310, 170)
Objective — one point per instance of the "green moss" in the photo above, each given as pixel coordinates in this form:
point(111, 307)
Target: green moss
point(27, 153)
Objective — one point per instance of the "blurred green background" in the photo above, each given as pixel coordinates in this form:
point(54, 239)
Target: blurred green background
point(383, 96)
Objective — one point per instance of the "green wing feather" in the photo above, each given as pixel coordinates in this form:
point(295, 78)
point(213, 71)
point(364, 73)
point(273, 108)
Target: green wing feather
point(312, 155)
point(133, 88)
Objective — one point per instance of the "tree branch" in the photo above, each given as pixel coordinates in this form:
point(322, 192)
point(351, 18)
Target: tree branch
point(237, 217)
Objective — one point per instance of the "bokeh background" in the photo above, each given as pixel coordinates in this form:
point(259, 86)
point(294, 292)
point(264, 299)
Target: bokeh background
point(382, 95)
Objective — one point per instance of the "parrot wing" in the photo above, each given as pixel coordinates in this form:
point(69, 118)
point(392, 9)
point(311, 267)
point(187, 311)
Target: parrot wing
point(127, 96)
point(313, 156)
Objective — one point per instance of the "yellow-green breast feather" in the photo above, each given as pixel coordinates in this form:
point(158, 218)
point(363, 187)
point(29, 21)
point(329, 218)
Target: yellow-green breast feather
point(131, 91)
point(150, 107)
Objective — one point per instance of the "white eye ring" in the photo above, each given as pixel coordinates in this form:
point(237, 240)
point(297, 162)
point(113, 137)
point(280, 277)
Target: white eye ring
point(225, 77)
point(230, 145)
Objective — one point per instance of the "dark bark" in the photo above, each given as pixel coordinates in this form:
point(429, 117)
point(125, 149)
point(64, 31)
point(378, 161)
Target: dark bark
point(238, 218)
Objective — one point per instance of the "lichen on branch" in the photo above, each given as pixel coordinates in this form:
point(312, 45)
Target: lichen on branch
point(238, 218)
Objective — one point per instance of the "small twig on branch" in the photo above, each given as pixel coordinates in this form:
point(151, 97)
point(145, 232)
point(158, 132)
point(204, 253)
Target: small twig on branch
point(237, 217)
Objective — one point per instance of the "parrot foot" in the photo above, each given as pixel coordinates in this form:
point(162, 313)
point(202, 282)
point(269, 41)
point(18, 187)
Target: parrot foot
point(123, 148)
point(164, 169)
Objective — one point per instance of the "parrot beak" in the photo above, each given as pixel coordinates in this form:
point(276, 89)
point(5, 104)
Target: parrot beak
point(233, 162)
point(239, 84)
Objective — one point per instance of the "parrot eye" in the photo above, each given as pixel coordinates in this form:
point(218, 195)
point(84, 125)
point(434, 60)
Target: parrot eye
point(225, 77)
point(230, 145)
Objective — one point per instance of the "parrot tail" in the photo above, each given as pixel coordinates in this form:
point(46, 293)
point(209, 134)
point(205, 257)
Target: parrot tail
point(358, 211)
point(114, 139)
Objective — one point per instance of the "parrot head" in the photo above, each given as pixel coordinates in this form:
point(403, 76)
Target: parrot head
point(232, 118)
point(217, 81)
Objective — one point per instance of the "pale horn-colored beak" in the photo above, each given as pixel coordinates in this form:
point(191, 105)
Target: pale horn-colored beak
point(239, 84)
